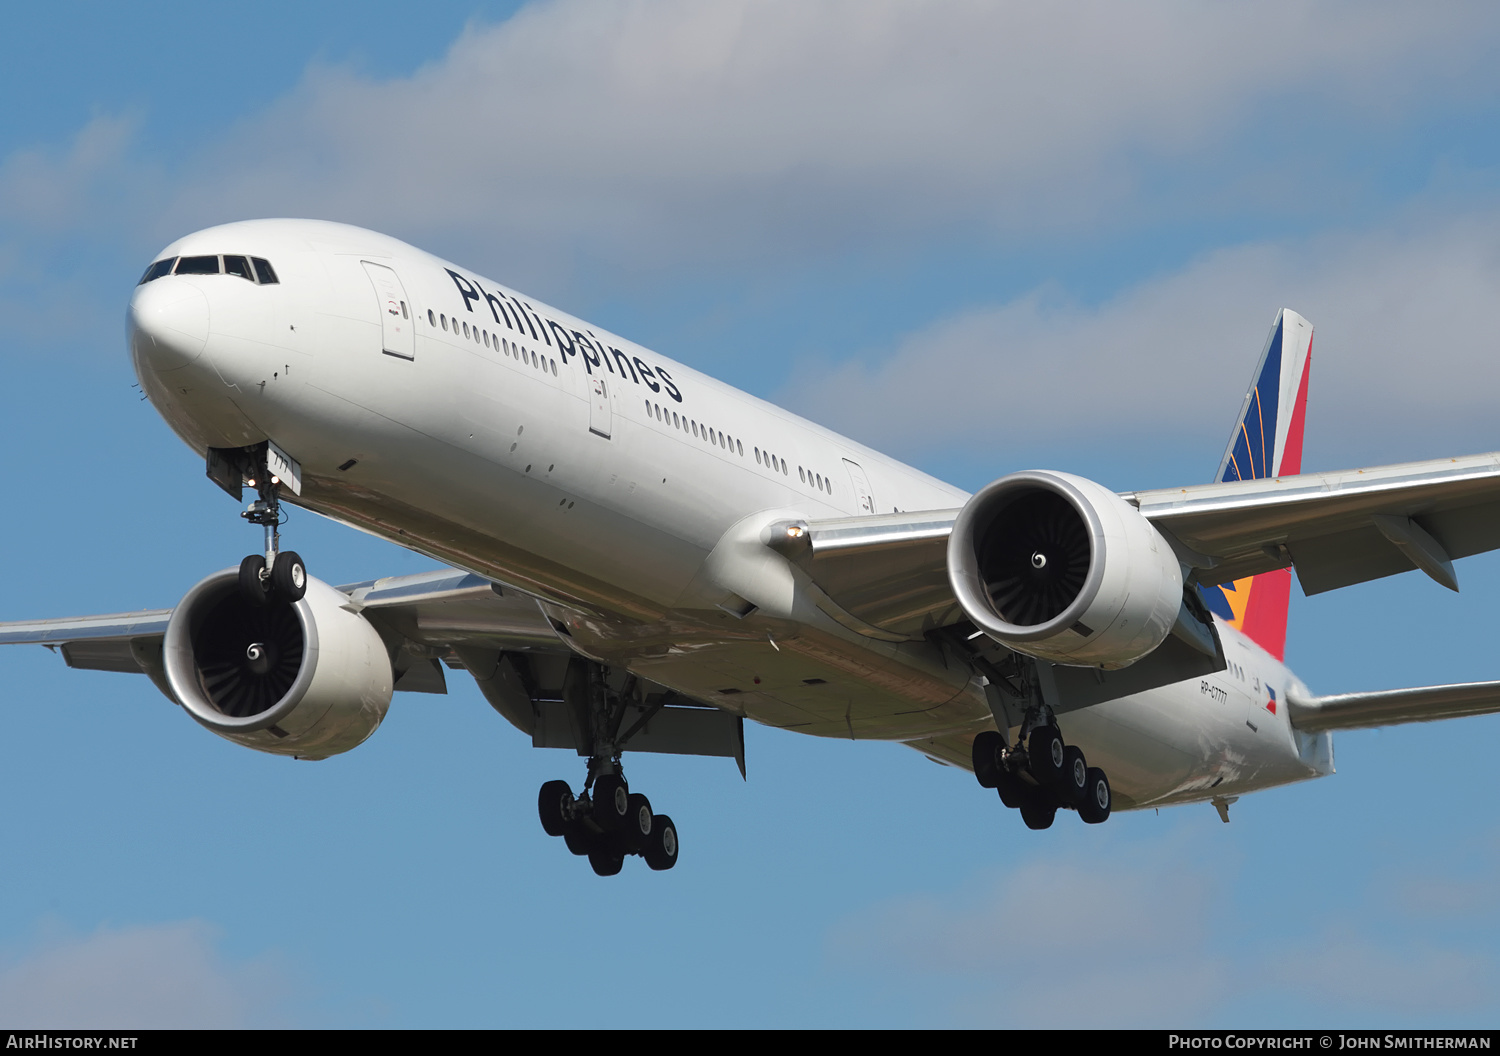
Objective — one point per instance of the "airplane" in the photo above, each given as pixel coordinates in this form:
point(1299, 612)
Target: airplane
point(640, 558)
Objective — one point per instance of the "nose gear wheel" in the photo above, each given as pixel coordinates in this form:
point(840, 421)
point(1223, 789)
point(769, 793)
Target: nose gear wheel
point(277, 574)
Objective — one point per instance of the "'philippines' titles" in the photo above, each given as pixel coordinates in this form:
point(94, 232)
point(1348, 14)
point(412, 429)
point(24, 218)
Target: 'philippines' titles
point(584, 345)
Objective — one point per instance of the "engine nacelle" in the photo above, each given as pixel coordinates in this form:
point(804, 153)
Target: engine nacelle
point(308, 678)
point(1063, 569)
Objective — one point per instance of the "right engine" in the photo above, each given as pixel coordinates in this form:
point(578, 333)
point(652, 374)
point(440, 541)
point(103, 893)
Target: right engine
point(1061, 568)
point(308, 678)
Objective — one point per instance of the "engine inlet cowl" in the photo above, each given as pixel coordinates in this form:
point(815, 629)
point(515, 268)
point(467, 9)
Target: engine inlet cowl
point(305, 678)
point(1061, 568)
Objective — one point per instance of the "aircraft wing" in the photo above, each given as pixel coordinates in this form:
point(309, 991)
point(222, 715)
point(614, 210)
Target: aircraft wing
point(1335, 529)
point(1391, 707)
point(448, 617)
point(96, 643)
point(427, 617)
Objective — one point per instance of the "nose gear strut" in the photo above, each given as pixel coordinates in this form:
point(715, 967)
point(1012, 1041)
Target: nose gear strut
point(276, 573)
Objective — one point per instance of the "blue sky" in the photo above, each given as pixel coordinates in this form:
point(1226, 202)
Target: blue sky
point(980, 237)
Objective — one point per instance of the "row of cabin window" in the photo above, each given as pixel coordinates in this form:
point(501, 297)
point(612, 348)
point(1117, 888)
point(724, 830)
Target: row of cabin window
point(655, 410)
point(686, 424)
point(256, 269)
point(816, 480)
point(496, 342)
point(677, 421)
point(807, 476)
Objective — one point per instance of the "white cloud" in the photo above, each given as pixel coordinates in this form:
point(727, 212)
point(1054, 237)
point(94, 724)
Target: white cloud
point(48, 189)
point(1110, 941)
point(1343, 969)
point(670, 135)
point(669, 130)
point(1405, 354)
point(1150, 934)
point(143, 977)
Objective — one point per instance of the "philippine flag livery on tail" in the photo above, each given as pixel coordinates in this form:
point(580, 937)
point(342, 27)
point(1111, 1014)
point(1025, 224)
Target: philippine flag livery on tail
point(1267, 442)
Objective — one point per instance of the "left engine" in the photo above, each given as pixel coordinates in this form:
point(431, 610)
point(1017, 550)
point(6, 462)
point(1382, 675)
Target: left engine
point(1063, 569)
point(307, 678)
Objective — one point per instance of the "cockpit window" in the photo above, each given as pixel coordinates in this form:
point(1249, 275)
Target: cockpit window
point(157, 270)
point(197, 266)
point(252, 269)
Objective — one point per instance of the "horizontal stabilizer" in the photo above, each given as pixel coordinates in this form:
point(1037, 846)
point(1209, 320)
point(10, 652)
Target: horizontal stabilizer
point(1391, 707)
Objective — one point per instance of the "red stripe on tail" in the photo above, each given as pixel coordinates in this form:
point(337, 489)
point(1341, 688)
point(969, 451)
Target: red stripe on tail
point(1291, 458)
point(1271, 592)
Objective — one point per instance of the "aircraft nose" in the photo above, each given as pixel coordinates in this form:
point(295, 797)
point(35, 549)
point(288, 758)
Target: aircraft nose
point(168, 323)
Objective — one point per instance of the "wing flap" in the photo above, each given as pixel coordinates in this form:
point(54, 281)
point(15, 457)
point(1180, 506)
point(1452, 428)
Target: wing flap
point(1392, 707)
point(106, 654)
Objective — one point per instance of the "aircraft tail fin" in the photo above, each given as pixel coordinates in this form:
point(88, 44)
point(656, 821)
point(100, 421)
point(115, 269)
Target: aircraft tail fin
point(1267, 442)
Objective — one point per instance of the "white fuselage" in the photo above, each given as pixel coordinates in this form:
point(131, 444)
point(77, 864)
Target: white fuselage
point(456, 417)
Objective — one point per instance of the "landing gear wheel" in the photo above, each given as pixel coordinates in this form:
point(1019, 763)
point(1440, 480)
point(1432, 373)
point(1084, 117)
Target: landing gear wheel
point(289, 576)
point(611, 803)
point(579, 840)
point(986, 757)
point(1045, 754)
point(1038, 810)
point(1075, 776)
point(554, 803)
point(1013, 791)
point(606, 863)
point(252, 586)
point(638, 823)
point(1097, 798)
point(660, 851)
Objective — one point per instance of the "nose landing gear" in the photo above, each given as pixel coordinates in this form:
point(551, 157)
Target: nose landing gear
point(276, 573)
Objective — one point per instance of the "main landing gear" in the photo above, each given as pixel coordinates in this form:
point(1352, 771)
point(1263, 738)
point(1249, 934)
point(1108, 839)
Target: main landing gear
point(277, 573)
point(1042, 776)
point(606, 822)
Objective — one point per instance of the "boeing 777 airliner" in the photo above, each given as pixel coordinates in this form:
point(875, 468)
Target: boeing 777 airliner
point(643, 557)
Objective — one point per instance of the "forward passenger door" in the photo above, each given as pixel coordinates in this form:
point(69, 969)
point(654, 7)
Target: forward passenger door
point(398, 334)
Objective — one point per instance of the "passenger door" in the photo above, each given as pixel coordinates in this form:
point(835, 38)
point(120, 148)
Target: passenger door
point(599, 409)
point(864, 498)
point(398, 334)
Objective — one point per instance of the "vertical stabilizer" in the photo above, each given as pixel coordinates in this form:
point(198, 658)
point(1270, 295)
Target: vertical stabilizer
point(1267, 442)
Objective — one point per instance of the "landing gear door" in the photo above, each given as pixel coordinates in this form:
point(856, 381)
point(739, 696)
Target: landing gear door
point(398, 334)
point(599, 411)
point(864, 498)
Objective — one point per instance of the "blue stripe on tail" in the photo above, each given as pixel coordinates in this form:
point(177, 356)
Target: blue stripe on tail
point(1255, 445)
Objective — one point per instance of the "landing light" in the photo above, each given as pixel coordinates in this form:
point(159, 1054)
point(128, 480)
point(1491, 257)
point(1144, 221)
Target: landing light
point(795, 531)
